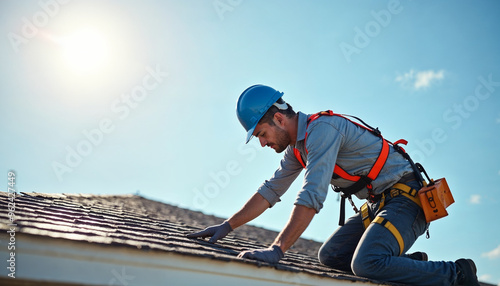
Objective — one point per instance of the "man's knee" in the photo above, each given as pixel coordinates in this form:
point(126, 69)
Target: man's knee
point(333, 260)
point(367, 266)
point(323, 256)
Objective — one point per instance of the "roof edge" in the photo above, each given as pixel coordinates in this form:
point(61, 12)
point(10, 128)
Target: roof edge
point(66, 261)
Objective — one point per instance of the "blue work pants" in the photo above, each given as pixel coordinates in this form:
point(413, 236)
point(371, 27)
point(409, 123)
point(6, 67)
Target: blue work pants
point(374, 253)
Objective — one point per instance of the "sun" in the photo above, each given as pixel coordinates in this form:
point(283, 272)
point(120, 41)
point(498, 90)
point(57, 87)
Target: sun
point(85, 50)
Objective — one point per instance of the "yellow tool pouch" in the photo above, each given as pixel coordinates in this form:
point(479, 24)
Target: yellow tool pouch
point(435, 198)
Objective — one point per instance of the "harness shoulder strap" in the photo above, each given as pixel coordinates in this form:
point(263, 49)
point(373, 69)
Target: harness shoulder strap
point(360, 182)
point(297, 154)
point(374, 171)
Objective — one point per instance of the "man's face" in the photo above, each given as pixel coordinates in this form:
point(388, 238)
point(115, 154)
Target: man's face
point(273, 136)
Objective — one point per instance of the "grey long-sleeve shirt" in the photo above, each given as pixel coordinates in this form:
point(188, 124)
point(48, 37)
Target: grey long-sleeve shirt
point(330, 140)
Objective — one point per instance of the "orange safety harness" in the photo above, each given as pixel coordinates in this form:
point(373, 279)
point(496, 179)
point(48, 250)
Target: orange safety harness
point(362, 181)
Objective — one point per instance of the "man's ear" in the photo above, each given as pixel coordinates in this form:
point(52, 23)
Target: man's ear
point(279, 119)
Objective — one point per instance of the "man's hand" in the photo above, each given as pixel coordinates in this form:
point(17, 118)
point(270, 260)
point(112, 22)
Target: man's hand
point(216, 232)
point(271, 255)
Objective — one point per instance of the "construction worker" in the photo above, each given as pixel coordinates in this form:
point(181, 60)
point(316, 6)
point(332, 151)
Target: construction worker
point(357, 160)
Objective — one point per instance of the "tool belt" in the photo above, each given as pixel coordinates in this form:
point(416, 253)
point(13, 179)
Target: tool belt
point(433, 198)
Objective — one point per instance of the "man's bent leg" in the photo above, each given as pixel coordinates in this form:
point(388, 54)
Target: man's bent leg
point(378, 253)
point(338, 249)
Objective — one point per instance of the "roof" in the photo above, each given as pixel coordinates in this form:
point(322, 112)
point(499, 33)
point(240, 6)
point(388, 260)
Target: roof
point(130, 222)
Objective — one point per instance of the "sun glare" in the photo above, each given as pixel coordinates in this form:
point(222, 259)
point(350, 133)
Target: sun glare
point(85, 50)
point(86, 55)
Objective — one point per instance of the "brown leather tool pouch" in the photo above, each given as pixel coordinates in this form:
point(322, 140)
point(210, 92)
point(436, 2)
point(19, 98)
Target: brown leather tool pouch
point(435, 198)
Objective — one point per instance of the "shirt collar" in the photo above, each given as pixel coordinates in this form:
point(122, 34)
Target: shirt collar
point(301, 126)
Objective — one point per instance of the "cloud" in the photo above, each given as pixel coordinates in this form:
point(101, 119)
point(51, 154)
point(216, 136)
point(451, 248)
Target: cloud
point(420, 79)
point(495, 253)
point(485, 277)
point(475, 199)
point(425, 78)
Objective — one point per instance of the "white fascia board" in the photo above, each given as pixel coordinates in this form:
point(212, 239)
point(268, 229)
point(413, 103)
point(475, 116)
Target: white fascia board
point(60, 260)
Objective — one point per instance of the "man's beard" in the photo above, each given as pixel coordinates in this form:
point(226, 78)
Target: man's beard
point(282, 139)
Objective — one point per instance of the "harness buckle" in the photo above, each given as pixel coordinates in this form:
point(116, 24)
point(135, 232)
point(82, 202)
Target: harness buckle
point(395, 193)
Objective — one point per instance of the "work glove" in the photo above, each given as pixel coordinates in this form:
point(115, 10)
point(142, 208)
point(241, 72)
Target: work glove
point(216, 232)
point(272, 254)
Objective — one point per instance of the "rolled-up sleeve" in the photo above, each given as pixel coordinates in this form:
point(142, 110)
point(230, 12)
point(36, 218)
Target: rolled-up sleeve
point(323, 144)
point(281, 180)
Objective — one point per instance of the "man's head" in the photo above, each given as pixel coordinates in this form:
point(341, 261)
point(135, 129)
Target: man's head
point(264, 114)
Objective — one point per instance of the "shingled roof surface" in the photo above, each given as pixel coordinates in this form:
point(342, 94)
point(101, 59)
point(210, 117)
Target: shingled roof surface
point(137, 222)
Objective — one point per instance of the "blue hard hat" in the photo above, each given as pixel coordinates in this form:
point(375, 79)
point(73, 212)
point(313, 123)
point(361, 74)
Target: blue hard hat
point(253, 103)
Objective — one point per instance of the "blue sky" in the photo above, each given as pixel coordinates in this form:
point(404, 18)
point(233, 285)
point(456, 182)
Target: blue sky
point(119, 97)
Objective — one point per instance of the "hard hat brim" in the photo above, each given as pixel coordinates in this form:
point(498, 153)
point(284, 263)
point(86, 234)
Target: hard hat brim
point(250, 134)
